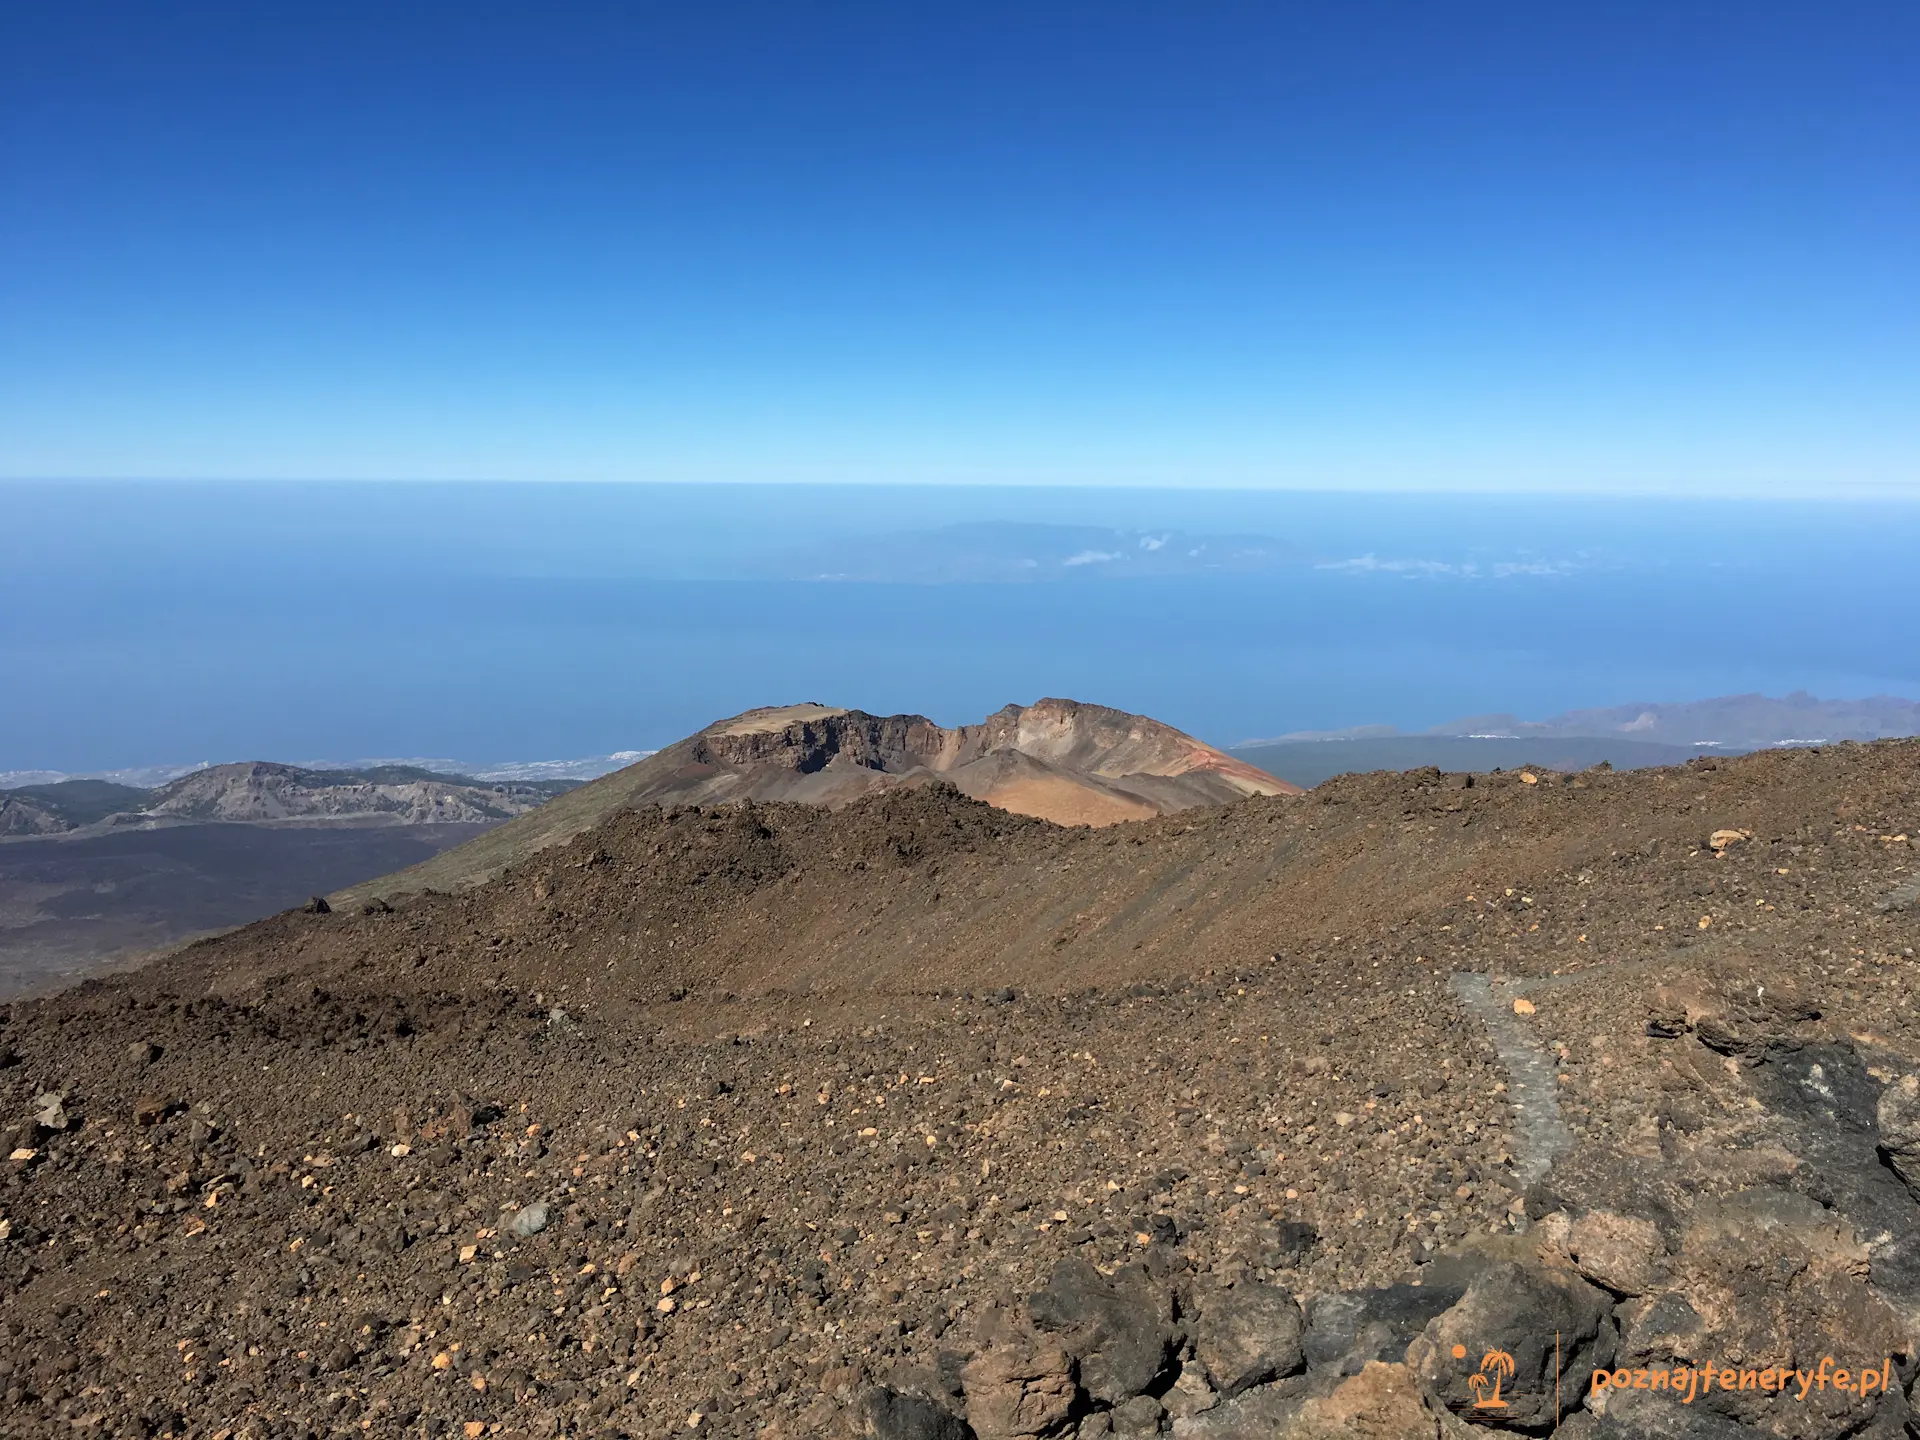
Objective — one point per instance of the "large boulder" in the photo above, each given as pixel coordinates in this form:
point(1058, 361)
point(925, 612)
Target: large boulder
point(1254, 1415)
point(1520, 1347)
point(1735, 1009)
point(1249, 1335)
point(1137, 1417)
point(1118, 1328)
point(1348, 1328)
point(1382, 1402)
point(880, 1413)
point(1765, 1278)
point(1646, 1416)
point(1622, 1252)
point(1020, 1386)
point(1897, 1117)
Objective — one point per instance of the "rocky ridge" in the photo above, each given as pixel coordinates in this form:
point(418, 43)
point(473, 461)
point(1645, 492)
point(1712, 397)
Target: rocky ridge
point(262, 792)
point(29, 815)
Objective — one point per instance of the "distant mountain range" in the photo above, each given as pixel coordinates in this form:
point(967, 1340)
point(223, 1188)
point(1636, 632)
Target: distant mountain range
point(147, 777)
point(1626, 737)
point(1728, 722)
point(92, 867)
point(1653, 733)
point(1735, 722)
point(260, 792)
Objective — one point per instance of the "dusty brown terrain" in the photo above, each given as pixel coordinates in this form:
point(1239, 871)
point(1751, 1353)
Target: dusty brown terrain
point(1060, 760)
point(917, 1118)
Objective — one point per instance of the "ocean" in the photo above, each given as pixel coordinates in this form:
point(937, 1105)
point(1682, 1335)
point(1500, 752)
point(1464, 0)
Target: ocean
point(171, 622)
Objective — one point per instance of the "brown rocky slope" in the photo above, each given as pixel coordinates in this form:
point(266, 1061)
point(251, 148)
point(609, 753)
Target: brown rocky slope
point(1060, 760)
point(922, 1119)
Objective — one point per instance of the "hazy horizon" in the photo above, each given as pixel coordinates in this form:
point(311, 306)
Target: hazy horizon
point(159, 623)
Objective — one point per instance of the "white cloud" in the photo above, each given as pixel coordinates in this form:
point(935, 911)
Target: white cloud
point(1374, 565)
point(1439, 569)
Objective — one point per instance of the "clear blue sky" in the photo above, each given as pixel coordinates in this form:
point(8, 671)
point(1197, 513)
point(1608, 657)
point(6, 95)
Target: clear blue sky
point(1660, 246)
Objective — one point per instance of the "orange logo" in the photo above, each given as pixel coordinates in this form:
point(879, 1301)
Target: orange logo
point(1496, 1366)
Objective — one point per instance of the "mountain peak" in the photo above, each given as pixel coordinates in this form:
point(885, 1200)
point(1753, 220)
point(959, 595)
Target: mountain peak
point(1061, 760)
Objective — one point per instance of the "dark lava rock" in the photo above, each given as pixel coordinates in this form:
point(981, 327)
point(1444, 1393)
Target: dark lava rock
point(1249, 1335)
point(1119, 1328)
point(1521, 1321)
point(1350, 1327)
point(883, 1414)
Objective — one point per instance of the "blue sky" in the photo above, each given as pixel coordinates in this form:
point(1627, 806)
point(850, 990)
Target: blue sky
point(1622, 248)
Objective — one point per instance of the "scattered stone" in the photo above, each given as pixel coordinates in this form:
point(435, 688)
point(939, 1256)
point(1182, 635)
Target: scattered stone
point(1291, 1242)
point(149, 1110)
point(50, 1110)
point(143, 1052)
point(530, 1221)
point(317, 905)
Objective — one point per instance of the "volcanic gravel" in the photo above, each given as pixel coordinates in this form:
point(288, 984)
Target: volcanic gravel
point(711, 1120)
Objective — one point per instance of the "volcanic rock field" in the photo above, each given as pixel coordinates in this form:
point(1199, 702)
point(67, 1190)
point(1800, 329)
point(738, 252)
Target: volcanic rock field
point(1335, 1114)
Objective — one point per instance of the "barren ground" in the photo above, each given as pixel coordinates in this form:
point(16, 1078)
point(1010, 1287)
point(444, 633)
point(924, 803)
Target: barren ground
point(822, 1113)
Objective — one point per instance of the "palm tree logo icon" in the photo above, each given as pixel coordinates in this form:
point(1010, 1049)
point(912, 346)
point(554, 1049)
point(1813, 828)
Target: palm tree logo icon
point(1495, 1366)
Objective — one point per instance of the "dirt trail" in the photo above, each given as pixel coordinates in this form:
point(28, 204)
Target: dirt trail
point(1540, 1135)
